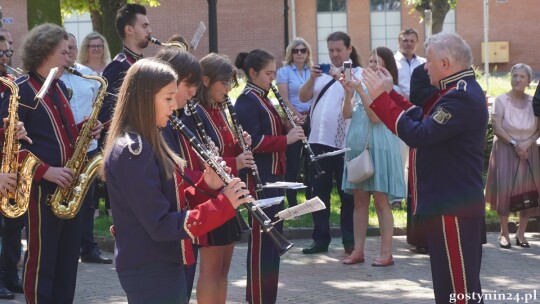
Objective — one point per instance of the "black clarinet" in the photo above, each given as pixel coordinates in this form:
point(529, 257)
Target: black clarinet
point(239, 133)
point(281, 244)
point(289, 115)
point(244, 227)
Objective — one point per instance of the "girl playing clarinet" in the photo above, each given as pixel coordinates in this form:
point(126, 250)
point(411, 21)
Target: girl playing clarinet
point(261, 120)
point(218, 78)
point(145, 180)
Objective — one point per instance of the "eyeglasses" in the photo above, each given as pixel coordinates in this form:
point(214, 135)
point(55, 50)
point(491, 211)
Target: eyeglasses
point(230, 83)
point(95, 47)
point(299, 51)
point(8, 53)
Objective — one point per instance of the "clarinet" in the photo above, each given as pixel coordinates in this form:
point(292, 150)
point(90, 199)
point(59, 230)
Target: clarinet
point(289, 116)
point(244, 227)
point(281, 244)
point(239, 133)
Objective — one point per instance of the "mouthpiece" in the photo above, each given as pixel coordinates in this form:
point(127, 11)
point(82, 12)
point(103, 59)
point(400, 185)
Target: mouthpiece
point(73, 71)
point(154, 40)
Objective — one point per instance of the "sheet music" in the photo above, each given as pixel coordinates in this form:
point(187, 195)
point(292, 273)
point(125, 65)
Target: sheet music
point(312, 205)
point(285, 185)
point(198, 35)
point(337, 152)
point(267, 202)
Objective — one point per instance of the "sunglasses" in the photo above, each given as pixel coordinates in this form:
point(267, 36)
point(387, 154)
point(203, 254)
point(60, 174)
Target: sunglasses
point(299, 51)
point(8, 53)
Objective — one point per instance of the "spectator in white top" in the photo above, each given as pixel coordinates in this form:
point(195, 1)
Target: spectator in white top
point(406, 59)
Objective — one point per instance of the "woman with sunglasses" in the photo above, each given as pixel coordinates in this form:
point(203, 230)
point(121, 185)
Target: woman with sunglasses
point(94, 52)
point(290, 78)
point(218, 78)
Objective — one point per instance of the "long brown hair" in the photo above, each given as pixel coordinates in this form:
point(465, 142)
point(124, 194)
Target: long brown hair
point(135, 110)
point(217, 68)
point(387, 56)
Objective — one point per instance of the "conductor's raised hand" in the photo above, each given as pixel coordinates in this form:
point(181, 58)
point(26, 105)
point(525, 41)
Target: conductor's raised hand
point(237, 192)
point(387, 78)
point(374, 83)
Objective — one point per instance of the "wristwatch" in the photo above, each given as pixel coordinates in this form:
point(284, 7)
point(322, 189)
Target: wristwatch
point(513, 143)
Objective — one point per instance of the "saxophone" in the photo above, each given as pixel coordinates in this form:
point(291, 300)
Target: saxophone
point(10, 161)
point(66, 203)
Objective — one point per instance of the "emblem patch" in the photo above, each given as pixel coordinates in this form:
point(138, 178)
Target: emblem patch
point(441, 116)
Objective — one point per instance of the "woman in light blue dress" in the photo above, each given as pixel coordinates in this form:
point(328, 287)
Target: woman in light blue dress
point(387, 183)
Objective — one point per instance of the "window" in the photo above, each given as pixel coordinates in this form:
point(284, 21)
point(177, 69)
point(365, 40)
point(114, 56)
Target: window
point(331, 17)
point(385, 20)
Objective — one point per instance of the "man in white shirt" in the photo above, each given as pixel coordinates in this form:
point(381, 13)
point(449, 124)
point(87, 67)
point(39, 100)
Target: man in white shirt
point(83, 93)
point(328, 134)
point(406, 59)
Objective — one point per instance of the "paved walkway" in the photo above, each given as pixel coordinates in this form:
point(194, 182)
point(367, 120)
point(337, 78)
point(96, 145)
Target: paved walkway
point(323, 279)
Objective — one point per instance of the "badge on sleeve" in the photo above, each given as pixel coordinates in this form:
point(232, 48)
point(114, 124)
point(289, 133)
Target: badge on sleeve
point(441, 115)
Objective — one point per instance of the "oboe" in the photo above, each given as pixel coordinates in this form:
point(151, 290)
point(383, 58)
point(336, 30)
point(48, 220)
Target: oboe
point(281, 244)
point(239, 133)
point(244, 227)
point(289, 115)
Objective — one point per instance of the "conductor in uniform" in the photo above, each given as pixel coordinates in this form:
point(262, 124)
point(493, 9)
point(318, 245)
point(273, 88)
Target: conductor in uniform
point(447, 138)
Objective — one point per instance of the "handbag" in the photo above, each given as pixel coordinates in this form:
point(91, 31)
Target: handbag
point(361, 168)
point(523, 200)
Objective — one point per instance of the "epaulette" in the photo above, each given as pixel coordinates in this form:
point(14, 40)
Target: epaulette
point(246, 91)
point(461, 85)
point(134, 143)
point(120, 57)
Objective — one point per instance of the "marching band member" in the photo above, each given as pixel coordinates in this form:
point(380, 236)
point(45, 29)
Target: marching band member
point(261, 120)
point(145, 182)
point(219, 76)
point(50, 269)
point(189, 76)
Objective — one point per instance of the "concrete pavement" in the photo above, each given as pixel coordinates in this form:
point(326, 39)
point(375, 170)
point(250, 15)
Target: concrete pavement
point(322, 278)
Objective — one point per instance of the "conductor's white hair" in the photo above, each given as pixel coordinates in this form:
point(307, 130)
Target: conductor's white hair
point(453, 47)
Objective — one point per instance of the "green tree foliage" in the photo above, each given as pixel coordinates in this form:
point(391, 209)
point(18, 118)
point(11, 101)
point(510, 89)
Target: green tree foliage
point(103, 14)
point(43, 11)
point(438, 8)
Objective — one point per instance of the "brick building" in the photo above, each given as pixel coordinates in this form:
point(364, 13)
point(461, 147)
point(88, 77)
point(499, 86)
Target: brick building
point(247, 24)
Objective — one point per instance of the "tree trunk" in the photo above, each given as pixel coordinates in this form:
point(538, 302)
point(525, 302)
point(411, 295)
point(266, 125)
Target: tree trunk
point(439, 9)
point(108, 28)
point(43, 11)
point(95, 16)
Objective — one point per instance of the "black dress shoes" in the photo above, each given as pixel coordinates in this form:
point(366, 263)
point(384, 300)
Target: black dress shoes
point(95, 258)
point(315, 248)
point(419, 250)
point(523, 244)
point(6, 294)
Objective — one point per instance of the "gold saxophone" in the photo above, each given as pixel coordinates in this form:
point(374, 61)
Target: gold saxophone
point(10, 161)
point(66, 203)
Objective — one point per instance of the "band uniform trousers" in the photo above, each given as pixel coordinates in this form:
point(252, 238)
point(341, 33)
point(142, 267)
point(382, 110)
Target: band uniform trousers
point(50, 270)
point(11, 249)
point(322, 187)
point(263, 258)
point(416, 235)
point(455, 250)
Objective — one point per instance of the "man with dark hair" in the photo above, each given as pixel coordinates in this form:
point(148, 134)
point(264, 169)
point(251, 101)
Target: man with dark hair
point(134, 30)
point(406, 59)
point(328, 134)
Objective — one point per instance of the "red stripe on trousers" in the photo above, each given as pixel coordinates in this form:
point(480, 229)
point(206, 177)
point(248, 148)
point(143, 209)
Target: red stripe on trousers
point(453, 246)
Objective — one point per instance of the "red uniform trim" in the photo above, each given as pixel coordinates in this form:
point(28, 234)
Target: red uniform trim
point(454, 254)
point(255, 264)
point(30, 281)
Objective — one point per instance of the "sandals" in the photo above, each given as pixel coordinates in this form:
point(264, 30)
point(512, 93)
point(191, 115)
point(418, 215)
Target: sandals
point(350, 260)
point(383, 263)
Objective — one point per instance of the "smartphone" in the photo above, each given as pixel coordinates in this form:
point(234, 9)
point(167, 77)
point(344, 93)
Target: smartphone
point(325, 68)
point(347, 66)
